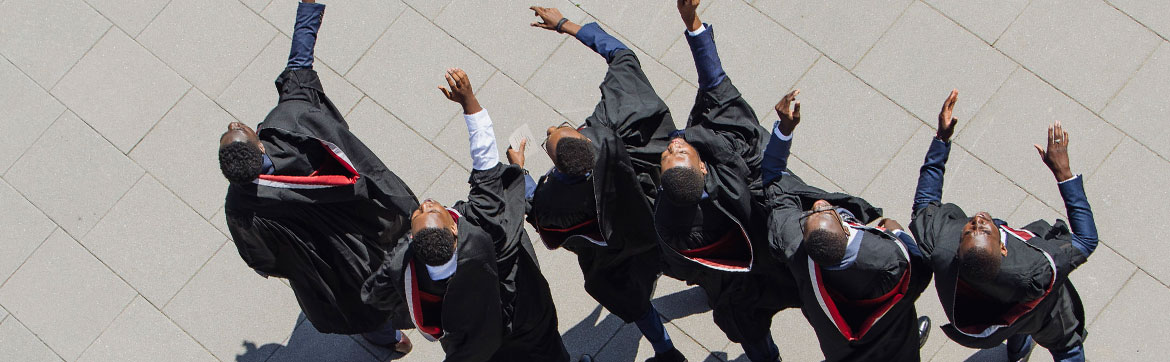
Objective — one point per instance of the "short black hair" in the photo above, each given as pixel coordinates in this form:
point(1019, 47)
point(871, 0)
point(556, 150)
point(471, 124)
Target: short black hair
point(979, 264)
point(825, 247)
point(240, 162)
point(682, 185)
point(574, 156)
point(434, 246)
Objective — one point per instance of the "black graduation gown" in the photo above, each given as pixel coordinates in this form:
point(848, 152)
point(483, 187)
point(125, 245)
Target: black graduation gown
point(739, 276)
point(862, 313)
point(1031, 295)
point(629, 129)
point(326, 233)
point(497, 306)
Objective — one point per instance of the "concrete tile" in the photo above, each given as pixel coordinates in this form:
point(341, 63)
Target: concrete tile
point(500, 33)
point(62, 284)
point(686, 307)
point(925, 55)
point(25, 228)
point(975, 187)
point(629, 345)
point(424, 350)
point(584, 325)
point(1151, 13)
point(651, 25)
point(810, 175)
point(46, 37)
point(253, 94)
point(154, 241)
point(680, 101)
point(131, 17)
point(511, 107)
point(451, 186)
point(1112, 337)
point(844, 30)
point(349, 30)
point(1018, 116)
point(1032, 209)
point(226, 293)
point(986, 18)
point(73, 185)
point(794, 336)
point(1100, 279)
point(219, 220)
point(256, 5)
point(307, 344)
point(955, 352)
point(763, 59)
point(203, 57)
point(29, 110)
point(829, 96)
point(413, 96)
point(373, 126)
point(142, 333)
point(194, 124)
point(893, 188)
point(928, 305)
point(136, 89)
point(17, 343)
point(1086, 48)
point(1137, 109)
point(1133, 181)
point(427, 8)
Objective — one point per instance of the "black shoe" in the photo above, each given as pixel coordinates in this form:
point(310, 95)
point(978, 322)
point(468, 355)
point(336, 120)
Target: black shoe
point(585, 358)
point(673, 355)
point(923, 330)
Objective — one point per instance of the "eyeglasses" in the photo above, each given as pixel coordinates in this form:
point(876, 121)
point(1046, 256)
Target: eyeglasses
point(544, 144)
point(805, 215)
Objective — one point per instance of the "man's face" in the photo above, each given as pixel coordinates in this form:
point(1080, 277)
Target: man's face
point(239, 132)
point(555, 134)
point(824, 217)
point(680, 153)
point(981, 233)
point(431, 214)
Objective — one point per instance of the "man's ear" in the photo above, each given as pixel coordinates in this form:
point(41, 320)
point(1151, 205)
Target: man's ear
point(703, 168)
point(1003, 249)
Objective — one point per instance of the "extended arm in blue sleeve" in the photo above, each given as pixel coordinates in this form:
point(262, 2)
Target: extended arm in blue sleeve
point(706, 57)
point(908, 241)
point(601, 42)
point(529, 186)
point(1080, 215)
point(304, 37)
point(776, 155)
point(930, 176)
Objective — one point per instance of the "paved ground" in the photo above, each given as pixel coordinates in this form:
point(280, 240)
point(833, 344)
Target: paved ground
point(114, 246)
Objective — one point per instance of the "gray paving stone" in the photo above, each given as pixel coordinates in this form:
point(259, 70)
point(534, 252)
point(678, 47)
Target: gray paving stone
point(307, 344)
point(349, 30)
point(629, 345)
point(500, 33)
point(19, 344)
point(811, 175)
point(61, 284)
point(837, 106)
point(153, 241)
point(794, 336)
point(29, 110)
point(1138, 109)
point(253, 94)
point(1032, 209)
point(1118, 194)
point(1151, 13)
point(986, 18)
point(136, 89)
point(3, 314)
point(73, 188)
point(413, 96)
point(204, 56)
point(763, 59)
point(231, 311)
point(424, 350)
point(256, 5)
point(975, 187)
point(844, 30)
point(451, 186)
point(1100, 279)
point(1017, 117)
point(1086, 48)
point(925, 55)
point(25, 228)
point(142, 333)
point(1133, 309)
point(219, 220)
point(650, 25)
point(680, 101)
point(131, 17)
point(180, 152)
point(893, 188)
point(584, 325)
point(686, 308)
point(392, 141)
point(928, 305)
point(954, 352)
point(46, 37)
point(428, 8)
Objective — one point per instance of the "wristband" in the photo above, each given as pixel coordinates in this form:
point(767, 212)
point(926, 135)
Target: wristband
point(560, 24)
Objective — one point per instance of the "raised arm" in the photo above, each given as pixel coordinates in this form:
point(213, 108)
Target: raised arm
point(1072, 190)
point(304, 37)
point(590, 34)
point(701, 39)
point(481, 134)
point(930, 176)
point(780, 145)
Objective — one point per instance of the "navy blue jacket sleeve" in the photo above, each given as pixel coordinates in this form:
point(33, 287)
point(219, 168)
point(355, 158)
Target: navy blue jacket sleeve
point(908, 241)
point(305, 35)
point(930, 176)
point(776, 155)
point(706, 58)
point(601, 42)
point(1080, 215)
point(529, 186)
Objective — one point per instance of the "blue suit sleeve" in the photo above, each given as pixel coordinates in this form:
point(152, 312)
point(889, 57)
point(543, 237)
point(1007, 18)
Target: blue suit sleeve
point(776, 155)
point(930, 176)
point(529, 186)
point(908, 241)
point(601, 42)
point(1080, 215)
point(706, 58)
point(304, 37)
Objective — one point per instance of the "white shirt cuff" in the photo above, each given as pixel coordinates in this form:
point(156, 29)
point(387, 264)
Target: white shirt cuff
point(697, 32)
point(444, 271)
point(780, 135)
point(482, 137)
point(1069, 179)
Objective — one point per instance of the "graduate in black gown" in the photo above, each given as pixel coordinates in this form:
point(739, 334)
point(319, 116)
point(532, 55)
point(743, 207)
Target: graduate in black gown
point(596, 201)
point(857, 283)
point(309, 202)
point(468, 274)
point(710, 213)
point(998, 283)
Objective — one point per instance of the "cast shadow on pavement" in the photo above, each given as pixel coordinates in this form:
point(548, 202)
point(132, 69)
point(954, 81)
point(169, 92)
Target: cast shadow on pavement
point(589, 335)
point(307, 344)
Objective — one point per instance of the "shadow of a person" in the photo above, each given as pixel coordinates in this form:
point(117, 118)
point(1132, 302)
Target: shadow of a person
point(307, 344)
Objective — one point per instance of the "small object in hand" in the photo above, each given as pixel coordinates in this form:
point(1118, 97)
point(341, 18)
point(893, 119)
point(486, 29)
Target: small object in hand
point(521, 133)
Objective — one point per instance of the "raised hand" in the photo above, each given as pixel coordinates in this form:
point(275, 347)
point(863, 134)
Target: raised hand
point(946, 122)
point(688, 10)
point(461, 91)
point(889, 224)
point(789, 111)
point(1056, 155)
point(516, 156)
point(551, 19)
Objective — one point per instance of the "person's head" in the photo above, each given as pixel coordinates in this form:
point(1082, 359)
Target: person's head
point(981, 251)
point(825, 235)
point(433, 232)
point(240, 153)
point(683, 172)
point(570, 151)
